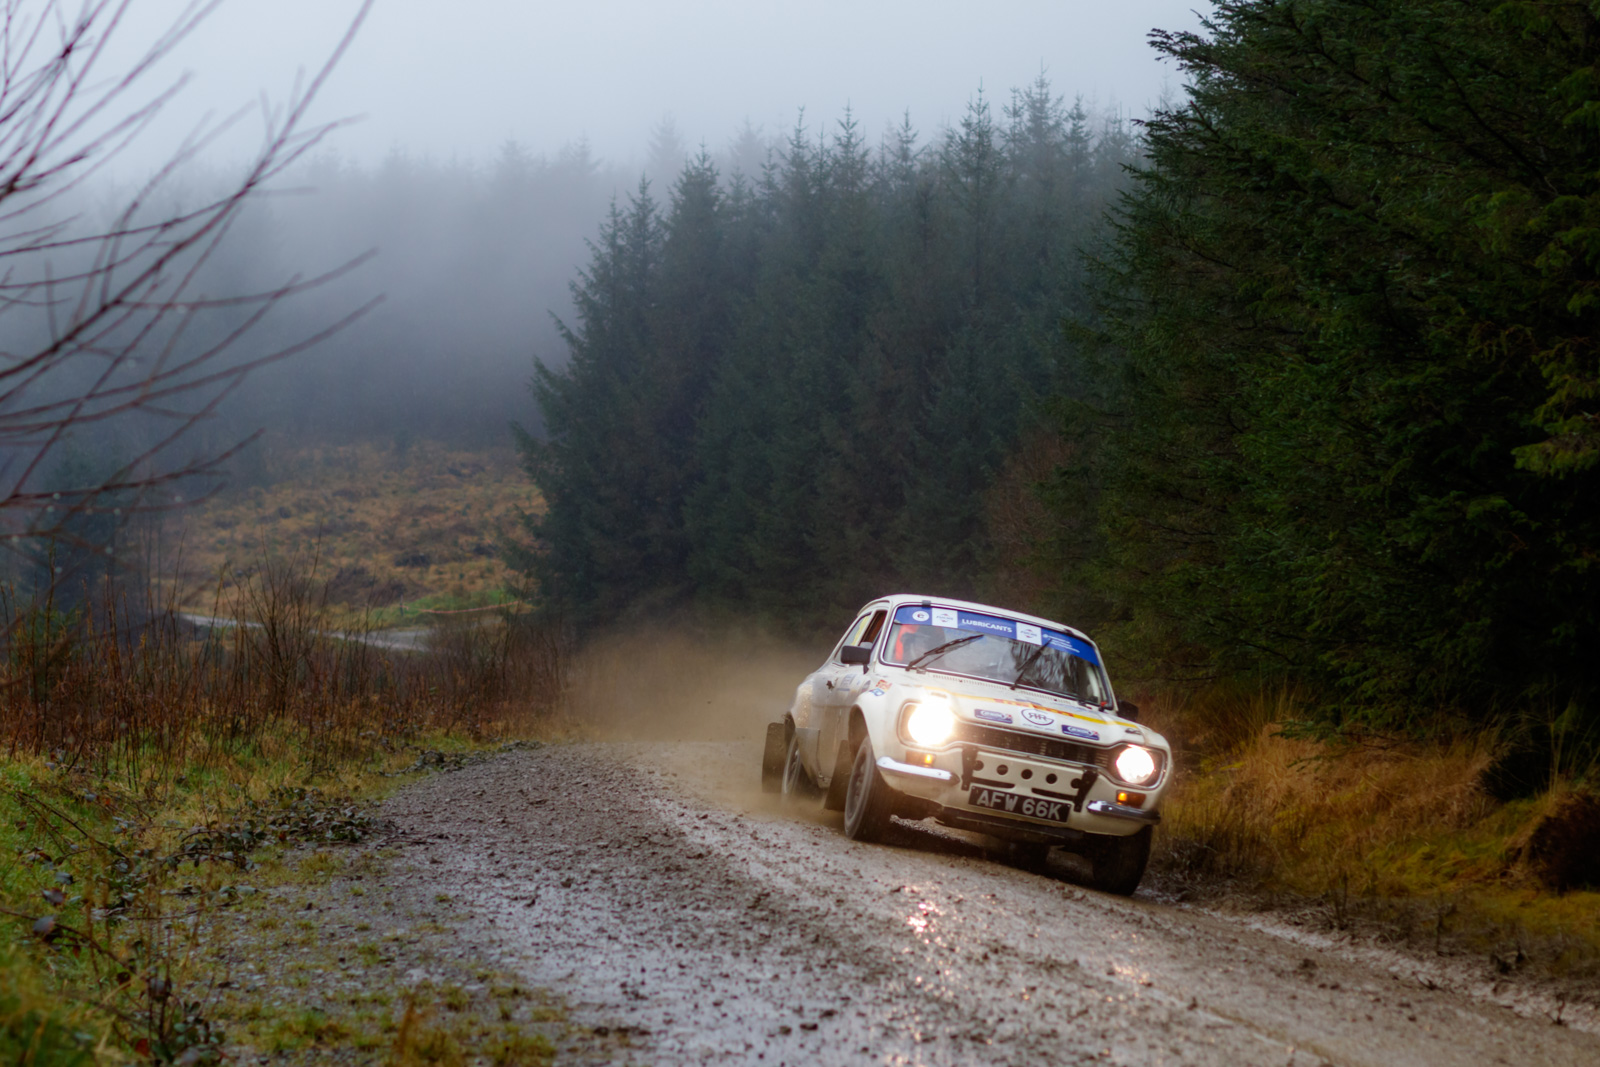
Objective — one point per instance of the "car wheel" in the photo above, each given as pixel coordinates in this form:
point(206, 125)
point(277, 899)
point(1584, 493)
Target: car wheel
point(1119, 862)
point(773, 756)
point(797, 785)
point(867, 803)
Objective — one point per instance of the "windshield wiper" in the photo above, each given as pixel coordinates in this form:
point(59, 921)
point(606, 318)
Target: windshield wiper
point(939, 650)
point(1026, 664)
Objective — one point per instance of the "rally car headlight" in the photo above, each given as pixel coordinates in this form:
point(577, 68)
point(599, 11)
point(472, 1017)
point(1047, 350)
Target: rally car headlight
point(1136, 765)
point(931, 724)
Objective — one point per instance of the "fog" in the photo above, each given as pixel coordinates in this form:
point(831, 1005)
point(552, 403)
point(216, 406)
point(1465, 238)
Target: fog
point(458, 80)
point(483, 148)
point(472, 264)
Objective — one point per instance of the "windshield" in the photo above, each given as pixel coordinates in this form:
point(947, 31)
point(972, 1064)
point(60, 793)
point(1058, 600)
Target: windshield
point(996, 649)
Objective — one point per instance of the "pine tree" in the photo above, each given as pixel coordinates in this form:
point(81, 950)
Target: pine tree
point(600, 538)
point(799, 392)
point(972, 168)
point(1353, 304)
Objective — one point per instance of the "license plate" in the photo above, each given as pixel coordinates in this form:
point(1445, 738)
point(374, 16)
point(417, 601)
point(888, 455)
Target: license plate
point(1003, 801)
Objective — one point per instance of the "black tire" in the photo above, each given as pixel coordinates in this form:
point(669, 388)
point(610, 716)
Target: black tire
point(773, 755)
point(797, 784)
point(868, 801)
point(1119, 862)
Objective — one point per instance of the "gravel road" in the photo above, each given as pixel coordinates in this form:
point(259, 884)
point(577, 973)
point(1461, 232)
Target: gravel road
point(673, 905)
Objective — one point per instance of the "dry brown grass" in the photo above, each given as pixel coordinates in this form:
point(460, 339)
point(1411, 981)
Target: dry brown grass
point(1367, 827)
point(420, 527)
point(135, 691)
point(1314, 814)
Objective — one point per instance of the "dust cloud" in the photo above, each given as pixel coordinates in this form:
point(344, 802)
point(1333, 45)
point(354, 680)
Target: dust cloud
point(670, 683)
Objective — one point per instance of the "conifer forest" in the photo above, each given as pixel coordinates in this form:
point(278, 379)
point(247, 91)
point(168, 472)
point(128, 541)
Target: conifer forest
point(792, 389)
point(1295, 379)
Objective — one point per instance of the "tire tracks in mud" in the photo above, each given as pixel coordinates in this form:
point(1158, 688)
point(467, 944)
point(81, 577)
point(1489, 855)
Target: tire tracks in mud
point(669, 906)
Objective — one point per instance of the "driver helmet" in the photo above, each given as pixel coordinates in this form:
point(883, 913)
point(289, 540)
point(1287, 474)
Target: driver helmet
point(913, 641)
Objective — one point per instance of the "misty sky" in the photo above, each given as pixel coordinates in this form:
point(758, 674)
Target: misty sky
point(460, 78)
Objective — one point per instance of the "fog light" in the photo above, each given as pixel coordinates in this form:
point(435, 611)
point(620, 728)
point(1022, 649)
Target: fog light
point(927, 759)
point(1133, 800)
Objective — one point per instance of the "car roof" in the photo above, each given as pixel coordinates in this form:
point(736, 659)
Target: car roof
point(897, 600)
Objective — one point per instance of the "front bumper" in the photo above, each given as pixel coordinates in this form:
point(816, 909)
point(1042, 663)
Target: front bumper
point(1087, 793)
point(889, 766)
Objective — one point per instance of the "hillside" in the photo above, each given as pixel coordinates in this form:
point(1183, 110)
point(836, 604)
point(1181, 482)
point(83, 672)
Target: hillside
point(391, 533)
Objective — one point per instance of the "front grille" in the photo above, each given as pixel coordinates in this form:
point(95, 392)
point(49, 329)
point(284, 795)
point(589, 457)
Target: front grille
point(1030, 744)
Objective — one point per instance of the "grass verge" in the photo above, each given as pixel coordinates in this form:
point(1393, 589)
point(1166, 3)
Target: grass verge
point(116, 896)
point(1397, 837)
point(148, 772)
point(336, 957)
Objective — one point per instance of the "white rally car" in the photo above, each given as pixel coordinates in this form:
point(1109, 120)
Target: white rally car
point(979, 718)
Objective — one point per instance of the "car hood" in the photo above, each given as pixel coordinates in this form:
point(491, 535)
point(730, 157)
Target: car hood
point(993, 704)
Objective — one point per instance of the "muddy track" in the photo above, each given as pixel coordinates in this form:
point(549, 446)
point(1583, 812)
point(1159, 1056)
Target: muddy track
point(671, 904)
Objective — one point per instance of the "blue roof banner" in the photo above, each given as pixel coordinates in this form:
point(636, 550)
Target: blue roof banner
point(973, 622)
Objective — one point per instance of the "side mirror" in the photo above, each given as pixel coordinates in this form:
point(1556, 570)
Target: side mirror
point(852, 655)
point(1128, 710)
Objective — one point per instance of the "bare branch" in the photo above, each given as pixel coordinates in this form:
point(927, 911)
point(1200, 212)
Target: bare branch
point(100, 323)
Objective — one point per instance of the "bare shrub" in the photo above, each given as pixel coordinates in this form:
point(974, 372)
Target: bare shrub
point(142, 689)
point(106, 332)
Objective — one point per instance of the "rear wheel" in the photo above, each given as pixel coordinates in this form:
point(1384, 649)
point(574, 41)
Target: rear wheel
point(773, 756)
point(1119, 862)
point(867, 801)
point(797, 785)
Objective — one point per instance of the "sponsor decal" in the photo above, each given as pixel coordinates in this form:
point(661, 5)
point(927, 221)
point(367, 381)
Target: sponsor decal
point(875, 693)
point(1081, 649)
point(1038, 718)
point(920, 615)
point(946, 617)
point(1025, 704)
point(1029, 634)
point(992, 716)
point(1079, 731)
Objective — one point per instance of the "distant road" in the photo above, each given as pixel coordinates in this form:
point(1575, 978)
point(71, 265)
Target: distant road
point(393, 640)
